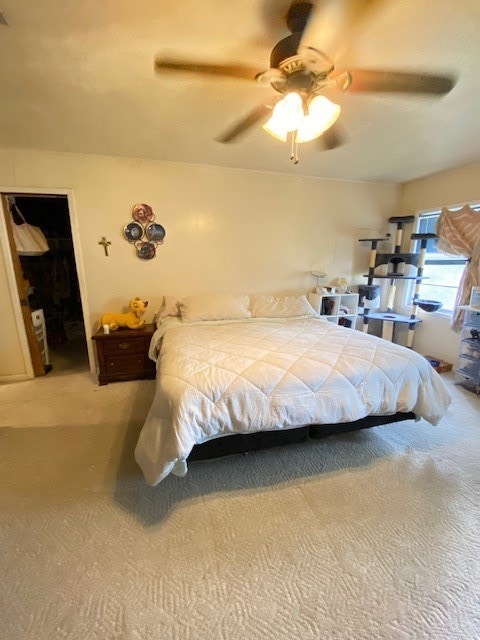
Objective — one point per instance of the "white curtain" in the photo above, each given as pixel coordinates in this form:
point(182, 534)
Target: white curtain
point(459, 235)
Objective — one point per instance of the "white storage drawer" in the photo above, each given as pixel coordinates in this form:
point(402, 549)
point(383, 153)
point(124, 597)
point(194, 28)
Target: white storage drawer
point(38, 319)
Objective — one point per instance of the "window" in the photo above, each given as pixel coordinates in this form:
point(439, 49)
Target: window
point(442, 273)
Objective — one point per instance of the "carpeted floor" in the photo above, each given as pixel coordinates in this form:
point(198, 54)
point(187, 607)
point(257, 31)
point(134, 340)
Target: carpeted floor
point(370, 535)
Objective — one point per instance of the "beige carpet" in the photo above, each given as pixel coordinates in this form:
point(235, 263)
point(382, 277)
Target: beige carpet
point(373, 535)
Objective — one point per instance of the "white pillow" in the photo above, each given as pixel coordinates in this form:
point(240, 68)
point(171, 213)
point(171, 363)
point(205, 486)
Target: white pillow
point(280, 306)
point(169, 307)
point(215, 307)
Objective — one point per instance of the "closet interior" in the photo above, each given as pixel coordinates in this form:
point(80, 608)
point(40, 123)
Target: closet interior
point(51, 282)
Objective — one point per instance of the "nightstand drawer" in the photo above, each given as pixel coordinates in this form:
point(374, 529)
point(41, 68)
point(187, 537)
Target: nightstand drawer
point(124, 346)
point(133, 363)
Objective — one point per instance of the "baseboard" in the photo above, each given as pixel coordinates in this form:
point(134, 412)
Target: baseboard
point(17, 377)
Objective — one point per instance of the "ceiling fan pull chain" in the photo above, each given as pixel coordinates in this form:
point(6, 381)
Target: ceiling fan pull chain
point(294, 149)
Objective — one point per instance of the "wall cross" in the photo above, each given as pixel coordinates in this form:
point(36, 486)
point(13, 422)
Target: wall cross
point(105, 243)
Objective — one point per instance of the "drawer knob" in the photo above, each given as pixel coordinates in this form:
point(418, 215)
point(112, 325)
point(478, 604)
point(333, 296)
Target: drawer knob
point(124, 345)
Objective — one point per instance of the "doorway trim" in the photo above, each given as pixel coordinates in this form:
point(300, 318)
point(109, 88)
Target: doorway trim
point(42, 191)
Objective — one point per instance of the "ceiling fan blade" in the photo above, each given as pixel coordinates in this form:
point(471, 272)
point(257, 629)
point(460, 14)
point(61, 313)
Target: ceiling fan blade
point(398, 82)
point(227, 70)
point(326, 25)
point(362, 11)
point(272, 15)
point(334, 25)
point(238, 129)
point(332, 138)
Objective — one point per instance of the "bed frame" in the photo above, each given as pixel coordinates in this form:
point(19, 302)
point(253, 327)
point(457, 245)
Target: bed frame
point(244, 443)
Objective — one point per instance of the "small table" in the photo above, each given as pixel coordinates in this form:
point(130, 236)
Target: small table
point(123, 354)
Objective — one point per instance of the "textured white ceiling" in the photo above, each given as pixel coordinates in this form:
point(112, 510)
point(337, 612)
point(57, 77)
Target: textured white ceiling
point(78, 76)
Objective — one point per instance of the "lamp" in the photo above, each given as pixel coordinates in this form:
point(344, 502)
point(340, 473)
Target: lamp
point(322, 113)
point(289, 116)
point(318, 275)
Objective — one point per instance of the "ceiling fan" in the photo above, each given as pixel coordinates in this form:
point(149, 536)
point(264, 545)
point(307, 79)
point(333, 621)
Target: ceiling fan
point(296, 68)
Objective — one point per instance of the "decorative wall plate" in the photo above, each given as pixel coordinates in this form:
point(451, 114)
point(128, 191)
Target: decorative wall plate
point(145, 250)
point(133, 231)
point(143, 213)
point(155, 232)
point(144, 233)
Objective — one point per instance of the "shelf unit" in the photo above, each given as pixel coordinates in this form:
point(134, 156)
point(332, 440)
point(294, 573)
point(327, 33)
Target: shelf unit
point(468, 369)
point(339, 308)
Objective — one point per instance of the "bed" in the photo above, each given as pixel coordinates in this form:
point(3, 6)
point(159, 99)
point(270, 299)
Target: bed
point(272, 367)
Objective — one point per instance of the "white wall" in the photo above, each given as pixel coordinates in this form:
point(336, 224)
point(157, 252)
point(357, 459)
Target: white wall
point(434, 336)
point(227, 230)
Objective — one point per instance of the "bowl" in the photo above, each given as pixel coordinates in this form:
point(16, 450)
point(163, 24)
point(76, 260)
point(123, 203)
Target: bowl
point(429, 305)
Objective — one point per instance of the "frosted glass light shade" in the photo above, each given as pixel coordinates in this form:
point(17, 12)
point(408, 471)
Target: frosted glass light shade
point(276, 129)
point(286, 116)
point(322, 113)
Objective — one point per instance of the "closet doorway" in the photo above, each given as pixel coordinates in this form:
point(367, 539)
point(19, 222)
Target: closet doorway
point(48, 286)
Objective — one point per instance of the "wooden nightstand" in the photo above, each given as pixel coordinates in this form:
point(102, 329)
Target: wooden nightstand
point(123, 354)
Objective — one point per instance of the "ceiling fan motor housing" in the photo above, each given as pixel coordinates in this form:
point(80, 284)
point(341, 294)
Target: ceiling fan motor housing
point(285, 57)
point(298, 15)
point(296, 19)
point(286, 48)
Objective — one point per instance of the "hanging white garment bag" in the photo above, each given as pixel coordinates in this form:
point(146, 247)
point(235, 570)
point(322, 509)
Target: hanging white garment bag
point(29, 240)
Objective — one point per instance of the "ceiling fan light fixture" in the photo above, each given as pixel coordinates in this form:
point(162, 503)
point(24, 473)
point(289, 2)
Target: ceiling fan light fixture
point(276, 130)
point(322, 113)
point(287, 116)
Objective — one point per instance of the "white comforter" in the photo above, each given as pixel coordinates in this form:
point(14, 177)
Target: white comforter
point(258, 375)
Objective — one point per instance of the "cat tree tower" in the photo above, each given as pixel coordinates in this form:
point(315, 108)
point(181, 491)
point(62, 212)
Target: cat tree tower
point(392, 267)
